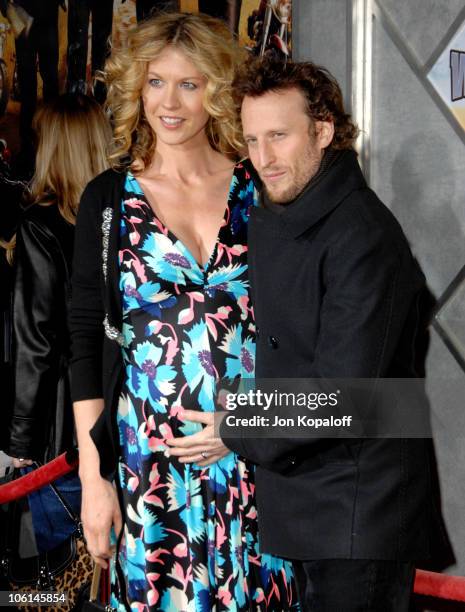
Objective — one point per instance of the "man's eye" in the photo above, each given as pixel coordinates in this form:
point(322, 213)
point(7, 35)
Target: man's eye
point(188, 85)
point(250, 141)
point(154, 82)
point(278, 135)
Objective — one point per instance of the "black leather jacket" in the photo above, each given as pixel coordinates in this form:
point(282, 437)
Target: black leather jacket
point(42, 424)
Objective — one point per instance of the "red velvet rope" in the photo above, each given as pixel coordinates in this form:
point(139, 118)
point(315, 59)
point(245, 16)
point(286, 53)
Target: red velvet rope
point(42, 476)
point(441, 586)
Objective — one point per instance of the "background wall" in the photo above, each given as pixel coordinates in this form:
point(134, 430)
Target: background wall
point(416, 165)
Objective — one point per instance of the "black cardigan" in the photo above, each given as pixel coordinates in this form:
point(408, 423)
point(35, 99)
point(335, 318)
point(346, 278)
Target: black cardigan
point(96, 317)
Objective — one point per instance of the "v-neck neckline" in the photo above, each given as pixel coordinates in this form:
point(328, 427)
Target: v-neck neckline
point(172, 236)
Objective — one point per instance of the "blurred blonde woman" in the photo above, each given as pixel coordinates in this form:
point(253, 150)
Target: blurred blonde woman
point(72, 139)
point(161, 312)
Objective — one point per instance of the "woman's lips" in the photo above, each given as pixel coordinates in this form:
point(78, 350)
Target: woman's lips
point(171, 123)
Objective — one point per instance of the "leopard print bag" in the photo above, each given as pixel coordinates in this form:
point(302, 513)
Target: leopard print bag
point(74, 581)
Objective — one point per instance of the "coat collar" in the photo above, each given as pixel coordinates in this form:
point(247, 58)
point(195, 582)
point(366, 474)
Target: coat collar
point(342, 178)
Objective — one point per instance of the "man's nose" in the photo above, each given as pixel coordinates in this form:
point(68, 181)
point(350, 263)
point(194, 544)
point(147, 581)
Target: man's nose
point(266, 154)
point(171, 96)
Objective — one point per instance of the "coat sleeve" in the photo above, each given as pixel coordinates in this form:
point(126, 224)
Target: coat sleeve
point(369, 277)
point(39, 293)
point(87, 311)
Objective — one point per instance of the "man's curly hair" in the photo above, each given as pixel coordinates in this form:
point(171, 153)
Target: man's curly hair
point(320, 89)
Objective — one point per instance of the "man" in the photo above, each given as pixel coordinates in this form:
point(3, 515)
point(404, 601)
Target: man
point(336, 295)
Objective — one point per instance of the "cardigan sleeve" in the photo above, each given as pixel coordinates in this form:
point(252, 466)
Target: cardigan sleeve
point(38, 298)
point(87, 310)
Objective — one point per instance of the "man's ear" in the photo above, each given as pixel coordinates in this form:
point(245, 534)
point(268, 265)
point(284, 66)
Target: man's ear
point(325, 133)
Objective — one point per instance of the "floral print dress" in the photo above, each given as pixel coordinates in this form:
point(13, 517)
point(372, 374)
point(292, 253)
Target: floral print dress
point(190, 538)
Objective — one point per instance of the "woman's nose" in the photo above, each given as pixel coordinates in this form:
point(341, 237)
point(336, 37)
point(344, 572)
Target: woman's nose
point(171, 97)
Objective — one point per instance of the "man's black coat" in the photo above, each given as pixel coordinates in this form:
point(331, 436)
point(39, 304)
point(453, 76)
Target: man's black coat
point(336, 294)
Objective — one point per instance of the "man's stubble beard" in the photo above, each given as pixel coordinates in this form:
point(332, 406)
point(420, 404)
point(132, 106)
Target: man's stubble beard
point(305, 170)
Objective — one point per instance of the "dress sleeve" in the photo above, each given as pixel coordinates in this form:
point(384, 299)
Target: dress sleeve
point(87, 311)
point(39, 292)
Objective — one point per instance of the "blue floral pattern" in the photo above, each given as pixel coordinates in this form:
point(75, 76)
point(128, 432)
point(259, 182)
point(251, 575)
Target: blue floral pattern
point(190, 537)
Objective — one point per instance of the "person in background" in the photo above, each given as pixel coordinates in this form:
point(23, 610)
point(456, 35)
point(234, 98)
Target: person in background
point(80, 13)
point(36, 46)
point(72, 138)
point(161, 313)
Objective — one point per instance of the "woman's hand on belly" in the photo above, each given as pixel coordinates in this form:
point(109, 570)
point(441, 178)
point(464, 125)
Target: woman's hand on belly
point(202, 448)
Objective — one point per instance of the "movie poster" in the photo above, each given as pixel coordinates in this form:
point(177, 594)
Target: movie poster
point(448, 75)
point(52, 46)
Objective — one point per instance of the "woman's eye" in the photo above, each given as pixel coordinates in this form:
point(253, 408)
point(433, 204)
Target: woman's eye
point(188, 85)
point(154, 82)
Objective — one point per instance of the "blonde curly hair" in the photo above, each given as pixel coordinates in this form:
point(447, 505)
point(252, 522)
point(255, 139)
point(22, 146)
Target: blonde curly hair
point(208, 43)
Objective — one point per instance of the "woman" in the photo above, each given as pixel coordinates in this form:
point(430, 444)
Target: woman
point(161, 260)
point(72, 137)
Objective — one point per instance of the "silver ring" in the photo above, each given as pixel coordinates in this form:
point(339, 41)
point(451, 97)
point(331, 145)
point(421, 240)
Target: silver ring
point(204, 454)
